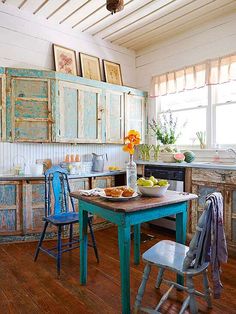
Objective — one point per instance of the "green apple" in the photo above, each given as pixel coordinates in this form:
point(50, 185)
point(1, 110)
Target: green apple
point(148, 183)
point(140, 181)
point(163, 182)
point(154, 180)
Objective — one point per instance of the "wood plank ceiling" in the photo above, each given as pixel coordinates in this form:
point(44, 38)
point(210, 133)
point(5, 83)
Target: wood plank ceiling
point(140, 24)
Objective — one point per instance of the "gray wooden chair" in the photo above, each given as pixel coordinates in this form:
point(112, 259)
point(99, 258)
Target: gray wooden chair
point(183, 260)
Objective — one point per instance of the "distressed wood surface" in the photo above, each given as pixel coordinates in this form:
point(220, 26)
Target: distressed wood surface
point(2, 107)
point(137, 204)
point(114, 117)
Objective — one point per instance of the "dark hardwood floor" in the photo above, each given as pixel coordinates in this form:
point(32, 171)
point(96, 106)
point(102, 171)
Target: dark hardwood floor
point(27, 287)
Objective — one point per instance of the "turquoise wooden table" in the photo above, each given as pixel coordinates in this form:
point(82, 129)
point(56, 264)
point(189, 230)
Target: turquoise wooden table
point(127, 214)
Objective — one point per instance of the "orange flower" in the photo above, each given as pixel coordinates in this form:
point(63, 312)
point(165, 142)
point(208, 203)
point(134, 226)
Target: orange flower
point(133, 138)
point(129, 148)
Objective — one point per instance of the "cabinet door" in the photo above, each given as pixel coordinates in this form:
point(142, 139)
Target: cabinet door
point(230, 213)
point(10, 208)
point(2, 107)
point(90, 115)
point(68, 112)
point(135, 114)
point(114, 117)
point(31, 110)
point(202, 189)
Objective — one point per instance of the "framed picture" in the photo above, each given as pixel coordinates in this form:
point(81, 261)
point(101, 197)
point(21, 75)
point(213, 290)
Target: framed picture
point(112, 72)
point(90, 67)
point(65, 60)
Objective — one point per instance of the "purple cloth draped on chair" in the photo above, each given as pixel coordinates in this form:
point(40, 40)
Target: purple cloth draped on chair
point(216, 246)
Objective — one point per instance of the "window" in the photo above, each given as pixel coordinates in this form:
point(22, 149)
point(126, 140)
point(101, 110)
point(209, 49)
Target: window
point(203, 98)
point(224, 112)
point(190, 108)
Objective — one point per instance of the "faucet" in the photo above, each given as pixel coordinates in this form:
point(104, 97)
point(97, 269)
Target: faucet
point(233, 151)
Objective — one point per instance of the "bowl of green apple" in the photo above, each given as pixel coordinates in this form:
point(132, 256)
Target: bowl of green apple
point(152, 186)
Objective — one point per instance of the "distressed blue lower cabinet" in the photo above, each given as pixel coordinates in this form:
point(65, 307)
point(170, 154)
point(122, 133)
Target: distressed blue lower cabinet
point(29, 109)
point(135, 116)
point(10, 208)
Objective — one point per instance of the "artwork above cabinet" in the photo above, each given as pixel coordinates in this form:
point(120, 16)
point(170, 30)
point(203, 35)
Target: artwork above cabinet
point(46, 106)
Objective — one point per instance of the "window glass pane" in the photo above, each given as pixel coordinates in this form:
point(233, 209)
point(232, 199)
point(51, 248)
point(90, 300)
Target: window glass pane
point(225, 124)
point(224, 92)
point(190, 122)
point(187, 99)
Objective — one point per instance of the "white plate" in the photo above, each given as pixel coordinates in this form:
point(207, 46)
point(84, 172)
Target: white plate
point(118, 199)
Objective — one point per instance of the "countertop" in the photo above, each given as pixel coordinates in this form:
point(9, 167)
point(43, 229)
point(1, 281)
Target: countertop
point(10, 177)
point(200, 164)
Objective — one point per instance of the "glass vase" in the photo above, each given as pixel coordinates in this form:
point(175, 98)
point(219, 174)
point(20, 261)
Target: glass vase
point(131, 174)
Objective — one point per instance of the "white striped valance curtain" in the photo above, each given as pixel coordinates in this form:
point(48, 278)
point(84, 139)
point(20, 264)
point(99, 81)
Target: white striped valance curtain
point(214, 71)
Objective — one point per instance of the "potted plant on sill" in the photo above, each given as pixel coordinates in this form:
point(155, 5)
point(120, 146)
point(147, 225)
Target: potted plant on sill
point(165, 129)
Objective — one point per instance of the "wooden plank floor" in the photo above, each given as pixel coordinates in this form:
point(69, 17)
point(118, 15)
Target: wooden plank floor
point(27, 287)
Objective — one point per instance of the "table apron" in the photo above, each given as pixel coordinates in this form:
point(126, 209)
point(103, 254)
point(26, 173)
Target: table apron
point(136, 217)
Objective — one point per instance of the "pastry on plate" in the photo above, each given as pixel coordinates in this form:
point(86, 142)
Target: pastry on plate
point(128, 192)
point(108, 191)
point(116, 192)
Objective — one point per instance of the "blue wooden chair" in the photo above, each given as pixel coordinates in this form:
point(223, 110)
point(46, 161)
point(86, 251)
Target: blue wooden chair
point(183, 260)
point(59, 214)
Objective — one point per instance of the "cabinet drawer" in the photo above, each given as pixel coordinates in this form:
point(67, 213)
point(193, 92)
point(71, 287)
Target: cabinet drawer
point(217, 175)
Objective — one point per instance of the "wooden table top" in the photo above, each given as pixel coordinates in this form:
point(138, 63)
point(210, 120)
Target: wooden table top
point(137, 204)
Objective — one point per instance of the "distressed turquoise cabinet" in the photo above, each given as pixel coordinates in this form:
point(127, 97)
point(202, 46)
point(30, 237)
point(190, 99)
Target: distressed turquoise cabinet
point(29, 112)
point(2, 104)
point(135, 114)
point(10, 208)
point(115, 117)
point(46, 106)
point(80, 114)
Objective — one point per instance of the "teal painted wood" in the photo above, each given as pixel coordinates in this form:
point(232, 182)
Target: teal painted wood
point(90, 113)
point(38, 193)
point(83, 231)
point(124, 251)
point(7, 220)
point(8, 111)
point(8, 204)
point(2, 70)
point(73, 79)
point(181, 234)
point(124, 222)
point(137, 229)
point(7, 195)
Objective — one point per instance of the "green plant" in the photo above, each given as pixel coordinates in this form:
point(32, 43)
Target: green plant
point(165, 128)
point(144, 150)
point(202, 138)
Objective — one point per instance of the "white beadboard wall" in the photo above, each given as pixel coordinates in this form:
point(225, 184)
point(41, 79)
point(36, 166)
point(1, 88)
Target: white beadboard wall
point(26, 41)
point(16, 153)
point(209, 40)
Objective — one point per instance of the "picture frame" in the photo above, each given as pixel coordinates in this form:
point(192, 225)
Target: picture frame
point(90, 67)
point(65, 60)
point(112, 72)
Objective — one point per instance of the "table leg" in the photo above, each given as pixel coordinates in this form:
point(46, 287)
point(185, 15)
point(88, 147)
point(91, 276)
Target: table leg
point(124, 250)
point(181, 233)
point(137, 244)
point(83, 233)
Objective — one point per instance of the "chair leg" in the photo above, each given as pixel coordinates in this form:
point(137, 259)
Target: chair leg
point(207, 289)
point(93, 238)
point(192, 301)
point(40, 241)
point(141, 289)
point(71, 235)
point(159, 277)
point(59, 251)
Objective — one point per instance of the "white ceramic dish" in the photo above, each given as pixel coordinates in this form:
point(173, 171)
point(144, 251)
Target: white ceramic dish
point(118, 199)
point(154, 191)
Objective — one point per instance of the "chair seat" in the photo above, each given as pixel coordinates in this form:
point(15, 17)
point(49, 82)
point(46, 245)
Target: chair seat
point(63, 219)
point(170, 255)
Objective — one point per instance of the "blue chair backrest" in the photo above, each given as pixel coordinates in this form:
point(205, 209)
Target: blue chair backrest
point(196, 256)
point(57, 191)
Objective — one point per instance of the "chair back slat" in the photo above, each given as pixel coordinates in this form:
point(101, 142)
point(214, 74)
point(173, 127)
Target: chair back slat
point(57, 191)
point(195, 257)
